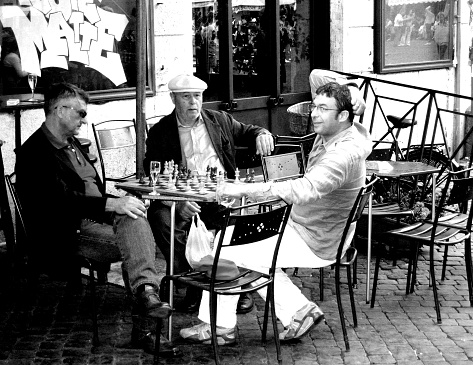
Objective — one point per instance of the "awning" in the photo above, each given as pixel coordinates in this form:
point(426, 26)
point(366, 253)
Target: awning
point(403, 2)
point(202, 3)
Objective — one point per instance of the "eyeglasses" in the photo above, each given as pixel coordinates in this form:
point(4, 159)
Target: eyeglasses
point(321, 109)
point(82, 113)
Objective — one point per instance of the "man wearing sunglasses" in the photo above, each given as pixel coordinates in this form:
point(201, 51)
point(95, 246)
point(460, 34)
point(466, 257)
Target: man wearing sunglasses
point(62, 195)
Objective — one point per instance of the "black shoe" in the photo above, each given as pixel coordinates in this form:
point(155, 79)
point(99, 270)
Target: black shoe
point(150, 305)
point(191, 302)
point(143, 336)
point(245, 303)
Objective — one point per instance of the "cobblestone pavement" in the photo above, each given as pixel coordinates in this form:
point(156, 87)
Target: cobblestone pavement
point(399, 329)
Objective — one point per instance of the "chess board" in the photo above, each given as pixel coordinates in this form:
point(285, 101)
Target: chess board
point(201, 188)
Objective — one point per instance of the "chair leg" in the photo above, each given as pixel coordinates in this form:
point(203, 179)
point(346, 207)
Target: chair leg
point(265, 317)
point(444, 264)
point(375, 275)
point(469, 272)
point(434, 284)
point(355, 271)
point(321, 284)
point(95, 338)
point(157, 341)
point(340, 308)
point(414, 267)
point(352, 297)
point(275, 322)
point(213, 326)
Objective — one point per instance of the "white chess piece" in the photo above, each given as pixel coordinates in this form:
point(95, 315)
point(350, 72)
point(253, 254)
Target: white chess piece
point(237, 175)
point(166, 169)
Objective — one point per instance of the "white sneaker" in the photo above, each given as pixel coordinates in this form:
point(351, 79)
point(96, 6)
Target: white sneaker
point(201, 334)
point(302, 322)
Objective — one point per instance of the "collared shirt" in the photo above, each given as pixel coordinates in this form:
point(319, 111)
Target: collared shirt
point(83, 168)
point(323, 198)
point(196, 147)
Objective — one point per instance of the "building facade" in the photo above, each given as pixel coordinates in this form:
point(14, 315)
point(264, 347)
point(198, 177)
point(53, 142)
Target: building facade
point(255, 56)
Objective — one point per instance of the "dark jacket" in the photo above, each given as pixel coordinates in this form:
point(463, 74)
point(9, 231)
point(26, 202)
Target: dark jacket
point(53, 201)
point(225, 133)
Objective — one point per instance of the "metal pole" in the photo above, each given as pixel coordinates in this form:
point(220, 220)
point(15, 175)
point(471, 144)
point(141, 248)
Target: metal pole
point(141, 31)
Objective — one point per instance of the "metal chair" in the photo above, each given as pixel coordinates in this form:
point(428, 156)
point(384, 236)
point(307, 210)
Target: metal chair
point(96, 256)
point(347, 258)
point(151, 121)
point(382, 209)
point(248, 228)
point(116, 146)
point(448, 228)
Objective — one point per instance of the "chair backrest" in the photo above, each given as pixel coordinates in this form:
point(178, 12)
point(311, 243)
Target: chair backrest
point(305, 142)
point(356, 211)
point(6, 221)
point(251, 228)
point(283, 166)
point(151, 121)
point(458, 190)
point(116, 147)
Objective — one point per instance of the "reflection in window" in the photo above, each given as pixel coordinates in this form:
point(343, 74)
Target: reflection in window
point(91, 45)
point(250, 48)
point(418, 32)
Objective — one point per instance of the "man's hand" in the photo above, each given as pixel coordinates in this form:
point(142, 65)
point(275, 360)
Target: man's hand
point(227, 190)
point(264, 144)
point(128, 205)
point(187, 209)
point(357, 100)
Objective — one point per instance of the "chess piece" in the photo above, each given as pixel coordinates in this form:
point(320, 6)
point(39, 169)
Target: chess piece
point(237, 175)
point(252, 176)
point(195, 180)
point(171, 182)
point(166, 168)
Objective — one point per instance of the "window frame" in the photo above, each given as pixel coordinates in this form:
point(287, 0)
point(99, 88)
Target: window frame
point(380, 65)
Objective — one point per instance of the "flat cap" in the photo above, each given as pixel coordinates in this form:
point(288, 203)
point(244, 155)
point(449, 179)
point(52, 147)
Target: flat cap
point(186, 83)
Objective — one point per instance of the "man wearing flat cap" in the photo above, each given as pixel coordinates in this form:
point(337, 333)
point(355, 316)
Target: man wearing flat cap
point(196, 138)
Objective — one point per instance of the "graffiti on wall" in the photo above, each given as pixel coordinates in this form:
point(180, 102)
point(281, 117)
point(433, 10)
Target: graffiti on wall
point(55, 32)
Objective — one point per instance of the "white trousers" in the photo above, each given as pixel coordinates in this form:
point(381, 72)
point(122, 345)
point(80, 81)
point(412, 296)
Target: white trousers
point(288, 298)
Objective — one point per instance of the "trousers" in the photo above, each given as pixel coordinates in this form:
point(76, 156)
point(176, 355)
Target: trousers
point(288, 298)
point(136, 243)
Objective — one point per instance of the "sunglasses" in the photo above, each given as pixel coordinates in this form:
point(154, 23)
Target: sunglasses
point(82, 113)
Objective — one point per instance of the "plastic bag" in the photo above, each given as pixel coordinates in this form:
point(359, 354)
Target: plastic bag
point(198, 242)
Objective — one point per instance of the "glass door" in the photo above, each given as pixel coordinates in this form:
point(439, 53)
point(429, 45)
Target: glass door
point(256, 56)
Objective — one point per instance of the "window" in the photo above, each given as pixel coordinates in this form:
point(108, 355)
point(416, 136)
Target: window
point(90, 44)
point(413, 35)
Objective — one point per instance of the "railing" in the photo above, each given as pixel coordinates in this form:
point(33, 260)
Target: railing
point(431, 110)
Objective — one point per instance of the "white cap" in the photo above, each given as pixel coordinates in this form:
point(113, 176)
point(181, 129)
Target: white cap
point(186, 83)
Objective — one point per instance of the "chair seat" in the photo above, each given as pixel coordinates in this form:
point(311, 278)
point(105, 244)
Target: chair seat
point(449, 230)
point(400, 123)
point(202, 281)
point(387, 209)
point(98, 252)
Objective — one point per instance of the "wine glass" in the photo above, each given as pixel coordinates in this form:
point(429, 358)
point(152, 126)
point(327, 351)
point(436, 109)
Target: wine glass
point(32, 79)
point(154, 171)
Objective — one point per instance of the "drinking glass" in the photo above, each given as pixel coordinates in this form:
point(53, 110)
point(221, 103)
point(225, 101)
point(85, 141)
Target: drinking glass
point(222, 199)
point(154, 171)
point(32, 79)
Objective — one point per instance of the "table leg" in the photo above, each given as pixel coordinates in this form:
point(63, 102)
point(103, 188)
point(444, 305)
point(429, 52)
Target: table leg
point(17, 128)
point(368, 255)
point(171, 266)
point(433, 195)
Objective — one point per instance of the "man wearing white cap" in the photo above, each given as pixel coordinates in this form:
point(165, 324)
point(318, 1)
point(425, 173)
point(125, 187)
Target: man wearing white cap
point(196, 138)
